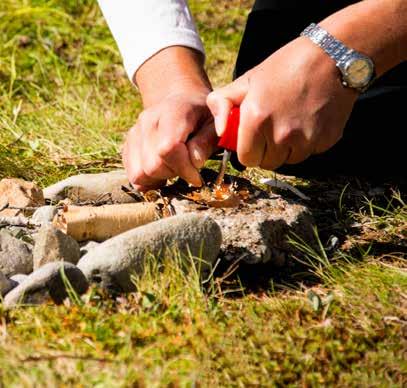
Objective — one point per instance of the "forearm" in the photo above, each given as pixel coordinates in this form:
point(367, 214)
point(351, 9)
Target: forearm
point(142, 28)
point(377, 28)
point(172, 69)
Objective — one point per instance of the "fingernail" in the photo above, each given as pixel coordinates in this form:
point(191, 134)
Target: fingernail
point(218, 125)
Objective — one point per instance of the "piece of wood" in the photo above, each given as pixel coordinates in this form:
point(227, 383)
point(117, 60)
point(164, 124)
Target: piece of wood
point(85, 223)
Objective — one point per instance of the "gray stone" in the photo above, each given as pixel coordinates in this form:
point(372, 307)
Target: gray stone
point(15, 255)
point(47, 283)
point(114, 261)
point(19, 278)
point(44, 215)
point(257, 230)
point(53, 245)
point(5, 284)
point(102, 187)
point(88, 246)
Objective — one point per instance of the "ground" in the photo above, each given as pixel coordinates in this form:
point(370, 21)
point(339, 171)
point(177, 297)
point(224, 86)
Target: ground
point(339, 318)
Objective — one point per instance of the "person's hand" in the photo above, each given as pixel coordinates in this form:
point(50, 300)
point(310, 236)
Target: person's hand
point(157, 147)
point(175, 134)
point(292, 105)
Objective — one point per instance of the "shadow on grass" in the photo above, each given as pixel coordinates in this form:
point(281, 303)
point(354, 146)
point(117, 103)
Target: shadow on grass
point(355, 220)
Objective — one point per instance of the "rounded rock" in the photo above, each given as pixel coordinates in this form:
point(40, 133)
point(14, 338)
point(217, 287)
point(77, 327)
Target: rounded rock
point(53, 245)
point(5, 284)
point(47, 282)
point(113, 262)
point(15, 255)
point(90, 187)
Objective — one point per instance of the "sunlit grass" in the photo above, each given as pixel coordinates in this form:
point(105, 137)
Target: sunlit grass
point(336, 316)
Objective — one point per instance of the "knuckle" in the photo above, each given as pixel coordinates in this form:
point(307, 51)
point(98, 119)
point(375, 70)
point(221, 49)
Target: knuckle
point(283, 134)
point(147, 118)
point(167, 147)
point(150, 169)
point(255, 113)
point(212, 98)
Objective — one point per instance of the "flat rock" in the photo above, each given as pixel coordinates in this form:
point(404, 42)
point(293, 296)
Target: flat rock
point(15, 255)
point(19, 193)
point(53, 245)
point(5, 284)
point(104, 187)
point(257, 230)
point(113, 262)
point(47, 283)
point(44, 214)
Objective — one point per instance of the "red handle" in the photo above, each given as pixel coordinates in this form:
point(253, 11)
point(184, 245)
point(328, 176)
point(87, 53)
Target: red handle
point(229, 137)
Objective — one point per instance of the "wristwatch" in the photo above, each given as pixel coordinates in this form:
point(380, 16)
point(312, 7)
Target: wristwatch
point(357, 69)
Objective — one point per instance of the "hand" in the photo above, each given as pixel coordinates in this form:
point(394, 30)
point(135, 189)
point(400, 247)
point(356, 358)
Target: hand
point(292, 105)
point(157, 147)
point(175, 134)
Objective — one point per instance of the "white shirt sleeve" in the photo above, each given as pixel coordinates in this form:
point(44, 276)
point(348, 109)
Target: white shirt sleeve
point(141, 28)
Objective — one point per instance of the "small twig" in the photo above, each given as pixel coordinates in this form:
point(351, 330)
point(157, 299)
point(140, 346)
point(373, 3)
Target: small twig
point(18, 221)
point(66, 356)
point(132, 193)
point(29, 208)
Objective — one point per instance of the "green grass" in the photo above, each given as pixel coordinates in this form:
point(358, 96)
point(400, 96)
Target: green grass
point(339, 320)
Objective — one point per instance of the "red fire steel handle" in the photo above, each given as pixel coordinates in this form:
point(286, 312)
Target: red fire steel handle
point(229, 138)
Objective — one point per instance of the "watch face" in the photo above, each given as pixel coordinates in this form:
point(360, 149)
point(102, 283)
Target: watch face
point(358, 72)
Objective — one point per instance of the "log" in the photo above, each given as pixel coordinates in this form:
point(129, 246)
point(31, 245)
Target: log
point(84, 223)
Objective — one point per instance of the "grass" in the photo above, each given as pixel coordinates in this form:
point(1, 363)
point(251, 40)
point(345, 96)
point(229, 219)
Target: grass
point(339, 319)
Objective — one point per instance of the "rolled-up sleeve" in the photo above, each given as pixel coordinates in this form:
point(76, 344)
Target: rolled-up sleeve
point(142, 28)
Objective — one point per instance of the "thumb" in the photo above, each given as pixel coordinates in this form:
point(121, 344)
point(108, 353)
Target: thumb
point(221, 101)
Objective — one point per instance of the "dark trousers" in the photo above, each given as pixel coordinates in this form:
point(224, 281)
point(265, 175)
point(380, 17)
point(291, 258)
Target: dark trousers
point(372, 143)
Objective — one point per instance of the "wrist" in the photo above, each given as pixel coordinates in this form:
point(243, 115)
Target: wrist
point(173, 70)
point(376, 28)
point(317, 66)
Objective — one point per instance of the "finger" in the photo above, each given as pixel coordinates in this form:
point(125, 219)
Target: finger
point(253, 126)
point(297, 155)
point(296, 140)
point(152, 165)
point(132, 162)
point(278, 150)
point(202, 145)
point(275, 156)
point(179, 161)
point(174, 152)
point(221, 101)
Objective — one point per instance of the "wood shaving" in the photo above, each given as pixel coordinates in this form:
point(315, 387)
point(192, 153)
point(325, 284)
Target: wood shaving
point(219, 196)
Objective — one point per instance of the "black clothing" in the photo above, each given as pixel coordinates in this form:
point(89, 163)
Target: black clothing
point(372, 141)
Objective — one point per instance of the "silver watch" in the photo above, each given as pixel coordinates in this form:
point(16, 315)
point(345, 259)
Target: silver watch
point(357, 69)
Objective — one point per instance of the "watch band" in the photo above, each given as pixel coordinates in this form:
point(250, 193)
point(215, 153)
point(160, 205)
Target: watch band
point(337, 50)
